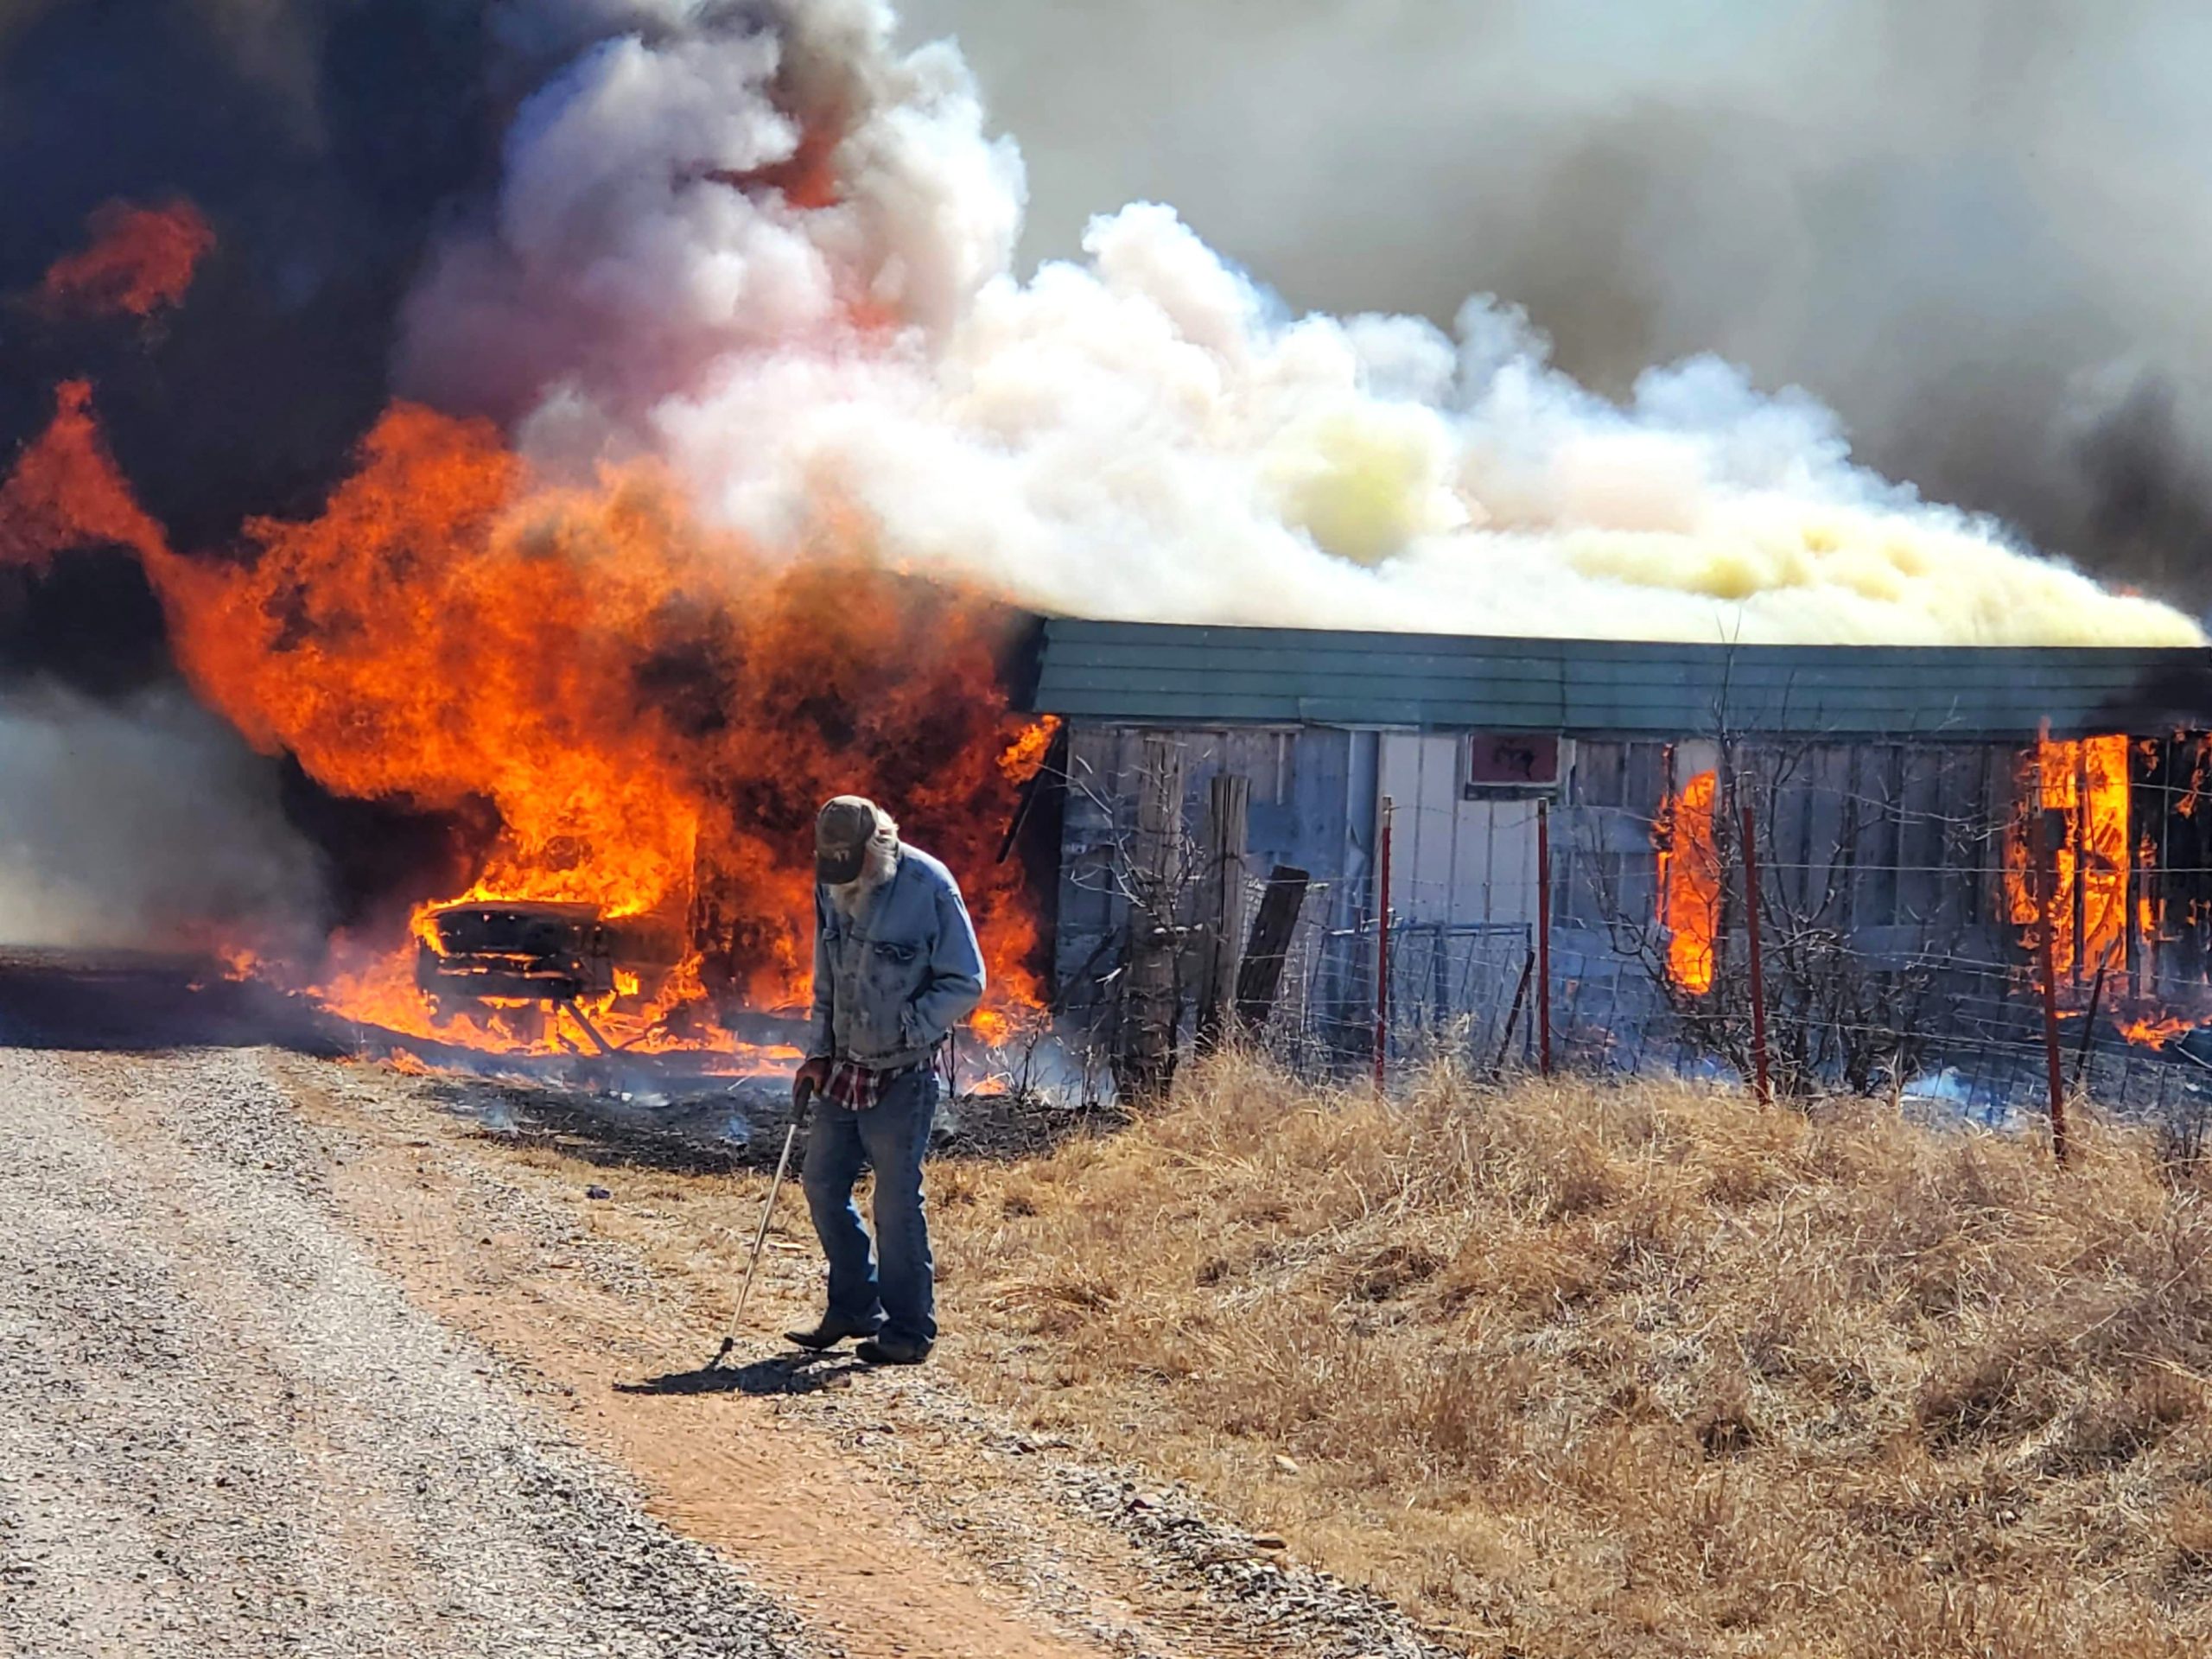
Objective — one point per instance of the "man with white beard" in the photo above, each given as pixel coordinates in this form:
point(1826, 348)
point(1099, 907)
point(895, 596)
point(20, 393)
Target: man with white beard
point(896, 966)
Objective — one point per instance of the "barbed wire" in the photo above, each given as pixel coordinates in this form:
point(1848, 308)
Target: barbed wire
point(1899, 901)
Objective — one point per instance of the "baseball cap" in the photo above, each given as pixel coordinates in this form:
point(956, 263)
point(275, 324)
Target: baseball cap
point(842, 832)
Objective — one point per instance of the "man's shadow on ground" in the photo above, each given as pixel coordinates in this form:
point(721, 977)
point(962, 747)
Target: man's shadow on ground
point(793, 1373)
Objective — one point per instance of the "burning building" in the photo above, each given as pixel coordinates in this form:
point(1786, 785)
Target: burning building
point(555, 446)
point(1923, 820)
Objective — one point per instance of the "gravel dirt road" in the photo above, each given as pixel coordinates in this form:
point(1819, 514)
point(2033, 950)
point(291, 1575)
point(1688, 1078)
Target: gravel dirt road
point(225, 1430)
point(303, 1358)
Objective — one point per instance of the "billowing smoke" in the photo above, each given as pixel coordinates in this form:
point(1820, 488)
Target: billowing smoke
point(145, 824)
point(766, 243)
point(1974, 228)
point(742, 279)
point(781, 255)
point(318, 139)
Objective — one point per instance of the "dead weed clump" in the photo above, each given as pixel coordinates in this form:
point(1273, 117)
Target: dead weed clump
point(1575, 1369)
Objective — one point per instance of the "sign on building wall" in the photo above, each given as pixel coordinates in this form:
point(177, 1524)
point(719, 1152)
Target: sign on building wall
point(1507, 764)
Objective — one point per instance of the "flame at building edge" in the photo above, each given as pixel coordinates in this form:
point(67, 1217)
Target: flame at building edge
point(2072, 829)
point(2077, 835)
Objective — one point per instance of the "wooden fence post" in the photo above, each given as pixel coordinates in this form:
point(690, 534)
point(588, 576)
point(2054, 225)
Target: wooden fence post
point(1758, 964)
point(1513, 1014)
point(2046, 858)
point(2080, 841)
point(2089, 1025)
point(1151, 1003)
point(1260, 978)
point(1382, 945)
point(1222, 905)
point(1544, 936)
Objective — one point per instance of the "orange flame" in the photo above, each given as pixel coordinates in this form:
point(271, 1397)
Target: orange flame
point(1689, 883)
point(2081, 789)
point(141, 259)
point(1025, 757)
point(649, 711)
point(65, 491)
point(2154, 1031)
point(2084, 785)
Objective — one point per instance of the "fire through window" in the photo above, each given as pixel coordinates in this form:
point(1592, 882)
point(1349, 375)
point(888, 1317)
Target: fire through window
point(2071, 828)
point(2099, 833)
point(1689, 882)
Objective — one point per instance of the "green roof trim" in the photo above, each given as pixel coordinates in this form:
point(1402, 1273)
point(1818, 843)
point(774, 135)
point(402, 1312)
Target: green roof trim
point(1161, 674)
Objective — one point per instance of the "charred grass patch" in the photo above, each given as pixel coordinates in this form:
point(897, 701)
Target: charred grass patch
point(1576, 1370)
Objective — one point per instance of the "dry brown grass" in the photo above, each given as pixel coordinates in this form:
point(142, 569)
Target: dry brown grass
point(1585, 1371)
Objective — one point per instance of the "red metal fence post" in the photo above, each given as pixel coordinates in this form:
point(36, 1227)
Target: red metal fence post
point(1758, 964)
point(1544, 936)
point(2046, 857)
point(1382, 947)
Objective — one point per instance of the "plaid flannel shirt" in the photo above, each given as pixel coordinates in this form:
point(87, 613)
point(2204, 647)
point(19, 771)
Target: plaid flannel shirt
point(856, 1088)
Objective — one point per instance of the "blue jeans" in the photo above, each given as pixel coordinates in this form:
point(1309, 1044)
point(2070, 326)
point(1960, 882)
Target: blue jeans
point(890, 1137)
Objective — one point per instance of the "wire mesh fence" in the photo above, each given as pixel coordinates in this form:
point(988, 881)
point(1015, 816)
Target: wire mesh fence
point(1953, 925)
point(1462, 988)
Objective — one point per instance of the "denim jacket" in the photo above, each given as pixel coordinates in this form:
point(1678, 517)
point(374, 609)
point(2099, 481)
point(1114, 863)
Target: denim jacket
point(889, 983)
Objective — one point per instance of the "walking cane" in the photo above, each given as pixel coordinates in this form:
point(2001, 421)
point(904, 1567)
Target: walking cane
point(761, 1238)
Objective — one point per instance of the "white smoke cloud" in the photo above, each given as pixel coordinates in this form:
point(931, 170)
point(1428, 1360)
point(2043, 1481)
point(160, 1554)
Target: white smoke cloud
point(1146, 432)
point(144, 824)
point(1969, 223)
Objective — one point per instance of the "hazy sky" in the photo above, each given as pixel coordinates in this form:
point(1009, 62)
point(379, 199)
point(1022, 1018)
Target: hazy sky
point(1975, 227)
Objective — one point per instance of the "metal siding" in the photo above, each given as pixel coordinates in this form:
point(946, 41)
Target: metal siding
point(1164, 674)
point(1306, 811)
point(1454, 861)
